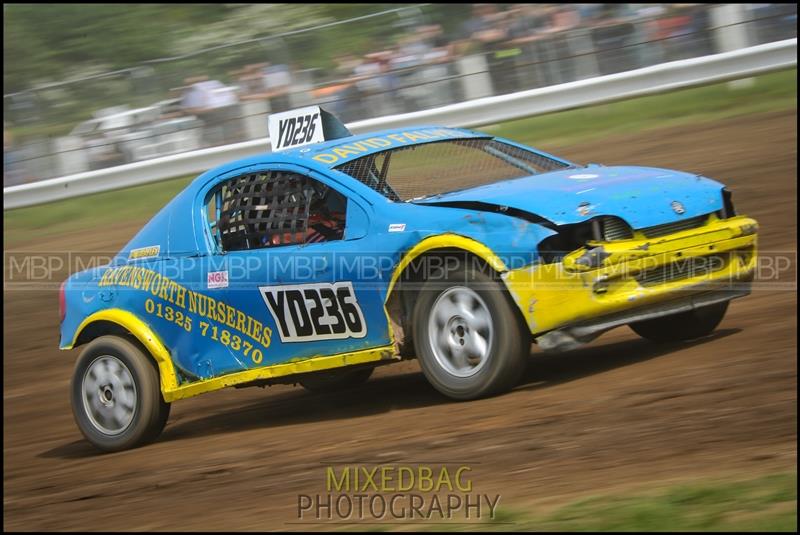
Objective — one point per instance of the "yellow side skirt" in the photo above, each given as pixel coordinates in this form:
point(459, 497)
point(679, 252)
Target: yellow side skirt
point(281, 370)
point(170, 389)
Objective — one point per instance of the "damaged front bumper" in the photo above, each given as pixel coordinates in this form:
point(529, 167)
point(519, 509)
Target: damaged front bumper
point(607, 284)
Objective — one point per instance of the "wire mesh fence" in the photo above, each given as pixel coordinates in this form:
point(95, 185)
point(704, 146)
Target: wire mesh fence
point(224, 95)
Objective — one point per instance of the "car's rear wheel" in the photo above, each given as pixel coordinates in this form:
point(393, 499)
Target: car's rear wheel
point(468, 337)
point(688, 325)
point(335, 380)
point(116, 397)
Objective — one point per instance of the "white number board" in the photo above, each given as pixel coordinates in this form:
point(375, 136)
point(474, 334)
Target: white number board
point(295, 128)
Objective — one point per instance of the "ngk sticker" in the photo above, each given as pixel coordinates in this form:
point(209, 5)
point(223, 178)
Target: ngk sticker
point(218, 279)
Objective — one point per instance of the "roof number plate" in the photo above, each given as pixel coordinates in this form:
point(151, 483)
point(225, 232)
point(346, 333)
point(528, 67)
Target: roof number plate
point(295, 128)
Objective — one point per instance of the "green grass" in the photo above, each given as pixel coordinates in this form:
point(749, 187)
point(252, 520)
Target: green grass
point(770, 92)
point(767, 503)
point(89, 212)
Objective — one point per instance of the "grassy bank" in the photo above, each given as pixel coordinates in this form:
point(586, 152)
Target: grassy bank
point(89, 212)
point(771, 92)
point(768, 503)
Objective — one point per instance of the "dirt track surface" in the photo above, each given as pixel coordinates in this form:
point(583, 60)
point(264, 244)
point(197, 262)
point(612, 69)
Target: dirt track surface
point(618, 415)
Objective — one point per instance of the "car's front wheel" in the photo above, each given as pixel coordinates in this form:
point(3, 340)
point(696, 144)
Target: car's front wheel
point(683, 326)
point(116, 397)
point(468, 338)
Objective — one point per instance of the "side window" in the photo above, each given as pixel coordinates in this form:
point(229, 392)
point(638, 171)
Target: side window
point(274, 208)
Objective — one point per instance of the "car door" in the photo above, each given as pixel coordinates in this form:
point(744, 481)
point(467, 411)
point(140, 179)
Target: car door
point(289, 256)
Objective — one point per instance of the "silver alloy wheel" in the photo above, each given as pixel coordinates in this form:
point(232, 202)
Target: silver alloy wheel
point(460, 331)
point(109, 395)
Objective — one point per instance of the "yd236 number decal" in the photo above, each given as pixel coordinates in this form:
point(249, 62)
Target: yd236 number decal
point(310, 312)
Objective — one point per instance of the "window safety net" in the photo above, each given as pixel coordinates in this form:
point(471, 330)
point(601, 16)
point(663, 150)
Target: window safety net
point(407, 172)
point(262, 210)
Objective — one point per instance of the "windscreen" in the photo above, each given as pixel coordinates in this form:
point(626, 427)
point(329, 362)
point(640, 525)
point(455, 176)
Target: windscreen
point(418, 170)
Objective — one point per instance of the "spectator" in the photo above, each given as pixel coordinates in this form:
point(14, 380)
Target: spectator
point(675, 29)
point(588, 12)
point(539, 31)
point(437, 65)
point(172, 108)
point(438, 48)
point(612, 31)
point(216, 106)
point(530, 22)
point(564, 18)
point(492, 31)
point(479, 29)
point(250, 82)
point(408, 69)
point(263, 81)
point(375, 83)
point(203, 94)
point(277, 82)
point(701, 40)
point(341, 95)
point(13, 172)
point(345, 65)
point(773, 21)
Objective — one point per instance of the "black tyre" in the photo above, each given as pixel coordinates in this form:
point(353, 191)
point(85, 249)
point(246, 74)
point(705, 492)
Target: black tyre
point(683, 326)
point(116, 395)
point(335, 380)
point(468, 336)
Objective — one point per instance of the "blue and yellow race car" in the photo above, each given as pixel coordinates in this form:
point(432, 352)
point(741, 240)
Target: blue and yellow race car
point(335, 253)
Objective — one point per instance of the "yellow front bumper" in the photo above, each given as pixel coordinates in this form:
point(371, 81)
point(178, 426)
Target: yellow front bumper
point(607, 278)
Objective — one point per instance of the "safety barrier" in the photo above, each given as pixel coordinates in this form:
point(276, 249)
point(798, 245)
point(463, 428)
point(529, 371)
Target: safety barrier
point(657, 78)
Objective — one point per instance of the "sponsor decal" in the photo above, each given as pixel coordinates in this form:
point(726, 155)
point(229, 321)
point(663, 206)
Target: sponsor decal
point(217, 279)
point(346, 151)
point(144, 252)
point(397, 227)
point(584, 176)
point(197, 313)
point(309, 312)
point(678, 208)
point(295, 128)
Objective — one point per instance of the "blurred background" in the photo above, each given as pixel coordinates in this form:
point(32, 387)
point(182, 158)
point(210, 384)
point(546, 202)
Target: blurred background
point(621, 435)
point(89, 88)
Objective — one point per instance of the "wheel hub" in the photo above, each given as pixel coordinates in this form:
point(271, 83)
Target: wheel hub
point(109, 395)
point(460, 331)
